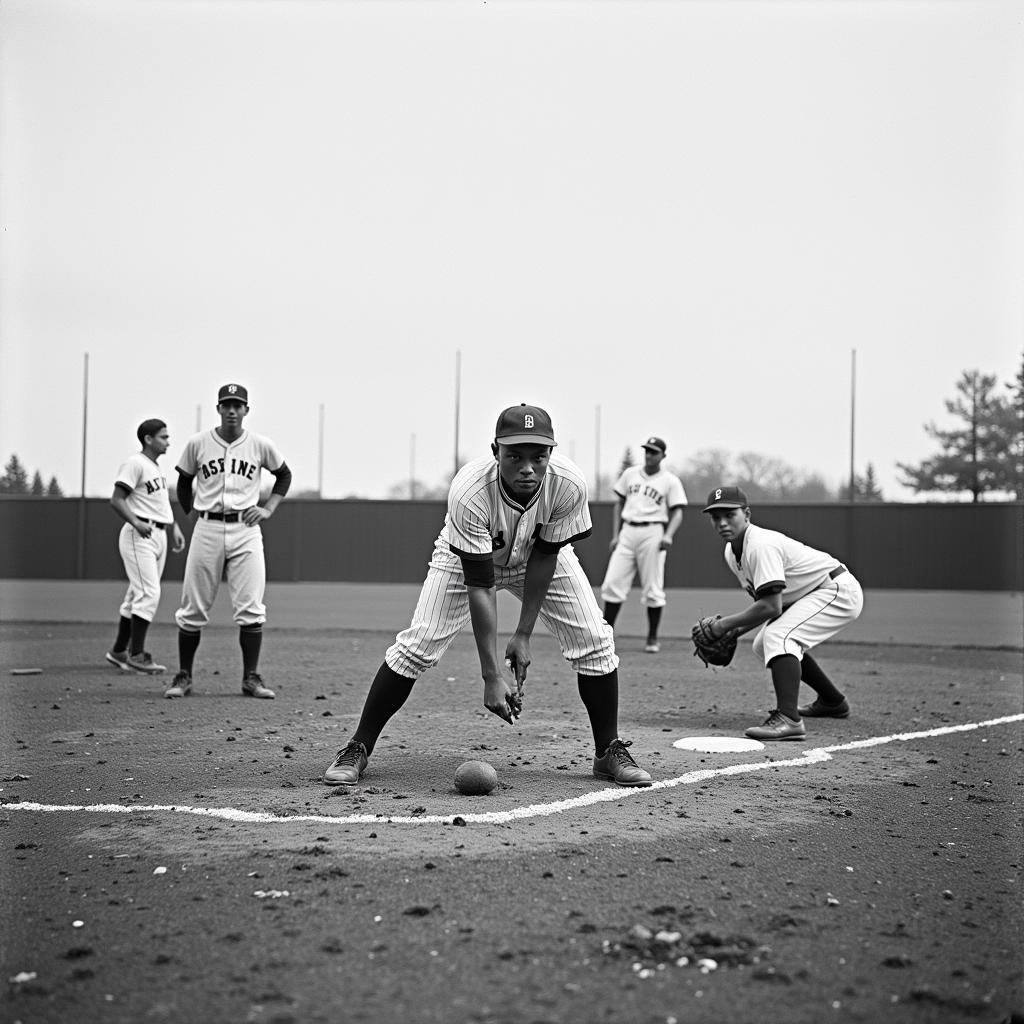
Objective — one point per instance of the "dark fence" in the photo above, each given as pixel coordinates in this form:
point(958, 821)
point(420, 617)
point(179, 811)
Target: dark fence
point(910, 547)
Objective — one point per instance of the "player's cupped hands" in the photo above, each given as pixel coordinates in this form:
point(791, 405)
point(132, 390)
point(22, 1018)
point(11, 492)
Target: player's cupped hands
point(501, 699)
point(177, 539)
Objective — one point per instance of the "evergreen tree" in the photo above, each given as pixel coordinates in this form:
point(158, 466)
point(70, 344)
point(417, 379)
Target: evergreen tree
point(973, 455)
point(627, 461)
point(53, 489)
point(866, 487)
point(37, 485)
point(15, 478)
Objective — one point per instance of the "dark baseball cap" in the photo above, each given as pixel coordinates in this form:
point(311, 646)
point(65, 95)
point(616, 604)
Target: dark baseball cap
point(726, 497)
point(524, 424)
point(655, 444)
point(233, 393)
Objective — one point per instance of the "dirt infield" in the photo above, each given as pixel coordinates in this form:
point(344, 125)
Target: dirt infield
point(180, 860)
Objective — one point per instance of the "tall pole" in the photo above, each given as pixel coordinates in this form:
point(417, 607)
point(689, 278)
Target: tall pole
point(320, 455)
point(853, 423)
point(412, 467)
point(597, 453)
point(458, 394)
point(81, 499)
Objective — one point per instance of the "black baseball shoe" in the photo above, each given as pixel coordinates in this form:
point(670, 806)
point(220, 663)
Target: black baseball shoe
point(778, 726)
point(348, 767)
point(252, 686)
point(180, 687)
point(617, 765)
point(819, 709)
point(119, 659)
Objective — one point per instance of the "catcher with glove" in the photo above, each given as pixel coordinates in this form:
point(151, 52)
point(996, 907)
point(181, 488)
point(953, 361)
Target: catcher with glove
point(713, 648)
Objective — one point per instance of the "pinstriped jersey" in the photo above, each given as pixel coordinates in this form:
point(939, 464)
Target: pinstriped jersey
point(770, 558)
point(483, 520)
point(228, 474)
point(147, 494)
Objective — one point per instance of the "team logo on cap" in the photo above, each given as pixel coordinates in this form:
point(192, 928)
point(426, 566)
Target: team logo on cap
point(232, 388)
point(718, 494)
point(528, 421)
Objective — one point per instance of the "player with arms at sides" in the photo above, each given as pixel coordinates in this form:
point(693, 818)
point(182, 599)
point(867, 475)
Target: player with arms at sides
point(801, 596)
point(224, 467)
point(649, 512)
point(512, 519)
point(140, 498)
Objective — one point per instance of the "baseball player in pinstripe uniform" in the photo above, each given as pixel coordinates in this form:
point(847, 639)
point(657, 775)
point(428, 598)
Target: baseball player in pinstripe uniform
point(511, 523)
point(801, 597)
point(224, 468)
point(650, 510)
point(140, 499)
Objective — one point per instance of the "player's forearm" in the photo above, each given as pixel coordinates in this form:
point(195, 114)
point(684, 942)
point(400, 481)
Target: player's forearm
point(483, 614)
point(540, 568)
point(675, 520)
point(120, 505)
point(762, 610)
point(273, 500)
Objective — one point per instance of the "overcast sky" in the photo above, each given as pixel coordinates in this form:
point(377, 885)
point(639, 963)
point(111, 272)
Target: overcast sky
point(666, 217)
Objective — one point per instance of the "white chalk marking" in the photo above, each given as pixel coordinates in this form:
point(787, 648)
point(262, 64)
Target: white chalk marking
point(816, 755)
point(718, 744)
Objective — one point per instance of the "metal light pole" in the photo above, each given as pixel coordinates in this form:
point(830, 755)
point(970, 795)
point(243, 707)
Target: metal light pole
point(853, 423)
point(81, 499)
point(458, 394)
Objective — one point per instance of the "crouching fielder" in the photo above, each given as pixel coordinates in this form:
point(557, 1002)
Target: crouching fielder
point(802, 597)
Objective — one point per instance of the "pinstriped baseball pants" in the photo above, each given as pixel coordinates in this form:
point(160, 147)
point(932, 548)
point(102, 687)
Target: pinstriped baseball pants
point(569, 611)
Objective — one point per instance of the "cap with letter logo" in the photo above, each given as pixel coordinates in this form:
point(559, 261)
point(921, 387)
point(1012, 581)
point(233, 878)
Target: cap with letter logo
point(655, 444)
point(726, 497)
point(233, 393)
point(524, 424)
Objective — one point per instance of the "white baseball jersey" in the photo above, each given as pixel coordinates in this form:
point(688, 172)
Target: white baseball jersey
point(771, 558)
point(483, 519)
point(228, 474)
point(147, 488)
point(649, 499)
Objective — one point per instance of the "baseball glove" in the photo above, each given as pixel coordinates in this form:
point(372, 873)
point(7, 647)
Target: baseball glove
point(711, 649)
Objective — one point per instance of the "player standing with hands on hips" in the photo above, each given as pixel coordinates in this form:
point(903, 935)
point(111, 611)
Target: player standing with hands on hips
point(802, 597)
point(649, 512)
point(140, 498)
point(225, 467)
point(511, 522)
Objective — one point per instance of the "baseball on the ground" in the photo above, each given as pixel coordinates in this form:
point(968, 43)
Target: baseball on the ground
point(475, 778)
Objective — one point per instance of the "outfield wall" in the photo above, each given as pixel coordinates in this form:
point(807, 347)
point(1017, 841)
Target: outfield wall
point(897, 546)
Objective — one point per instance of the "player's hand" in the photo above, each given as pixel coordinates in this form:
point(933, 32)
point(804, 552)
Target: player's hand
point(255, 515)
point(613, 543)
point(500, 698)
point(144, 529)
point(666, 543)
point(178, 540)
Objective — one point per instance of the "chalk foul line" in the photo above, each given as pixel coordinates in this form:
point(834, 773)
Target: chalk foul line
point(816, 755)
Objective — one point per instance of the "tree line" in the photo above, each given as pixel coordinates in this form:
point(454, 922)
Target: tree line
point(15, 481)
point(981, 454)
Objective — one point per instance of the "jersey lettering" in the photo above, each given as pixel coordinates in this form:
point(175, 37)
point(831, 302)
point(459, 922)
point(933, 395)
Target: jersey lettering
point(152, 486)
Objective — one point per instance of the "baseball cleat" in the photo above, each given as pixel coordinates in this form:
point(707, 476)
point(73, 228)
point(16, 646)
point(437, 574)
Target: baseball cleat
point(778, 727)
point(617, 765)
point(652, 647)
point(119, 659)
point(144, 663)
point(252, 686)
point(181, 687)
point(348, 767)
point(819, 709)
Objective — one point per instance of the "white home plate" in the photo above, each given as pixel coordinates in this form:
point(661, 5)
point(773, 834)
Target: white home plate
point(718, 744)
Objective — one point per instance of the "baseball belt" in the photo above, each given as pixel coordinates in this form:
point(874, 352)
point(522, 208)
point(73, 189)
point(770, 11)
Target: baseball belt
point(225, 517)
